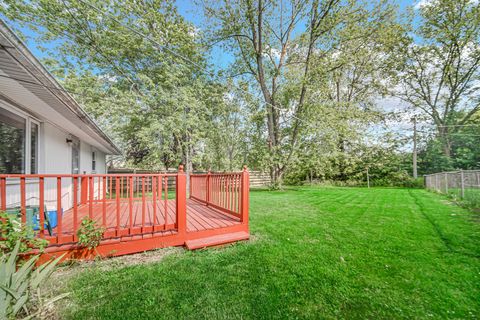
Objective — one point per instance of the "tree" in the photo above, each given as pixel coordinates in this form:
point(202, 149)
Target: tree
point(155, 103)
point(441, 66)
point(263, 36)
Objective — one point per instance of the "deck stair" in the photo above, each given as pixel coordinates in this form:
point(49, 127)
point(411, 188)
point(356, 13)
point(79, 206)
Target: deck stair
point(216, 240)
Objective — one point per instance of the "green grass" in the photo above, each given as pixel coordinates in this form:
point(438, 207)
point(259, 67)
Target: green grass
point(471, 198)
point(316, 253)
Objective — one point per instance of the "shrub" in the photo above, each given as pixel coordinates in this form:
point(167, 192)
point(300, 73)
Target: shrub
point(89, 234)
point(12, 231)
point(18, 284)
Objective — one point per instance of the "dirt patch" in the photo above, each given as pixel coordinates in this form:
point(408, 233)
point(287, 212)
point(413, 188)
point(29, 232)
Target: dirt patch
point(112, 263)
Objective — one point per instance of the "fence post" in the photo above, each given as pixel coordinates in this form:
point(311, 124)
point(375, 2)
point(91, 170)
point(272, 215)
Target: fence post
point(462, 183)
point(181, 201)
point(245, 195)
point(446, 182)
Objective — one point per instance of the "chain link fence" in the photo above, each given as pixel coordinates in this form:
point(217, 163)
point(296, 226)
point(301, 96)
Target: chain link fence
point(463, 184)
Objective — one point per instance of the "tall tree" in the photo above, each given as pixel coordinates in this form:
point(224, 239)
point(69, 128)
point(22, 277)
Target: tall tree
point(442, 66)
point(264, 36)
point(157, 104)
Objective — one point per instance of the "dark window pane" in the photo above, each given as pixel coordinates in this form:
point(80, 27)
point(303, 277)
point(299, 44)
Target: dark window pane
point(34, 148)
point(12, 142)
point(94, 162)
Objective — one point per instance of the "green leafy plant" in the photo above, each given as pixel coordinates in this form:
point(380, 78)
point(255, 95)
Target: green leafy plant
point(89, 234)
point(13, 231)
point(18, 284)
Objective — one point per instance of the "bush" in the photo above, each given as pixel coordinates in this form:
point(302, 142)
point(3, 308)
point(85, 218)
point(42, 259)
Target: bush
point(89, 234)
point(401, 180)
point(17, 285)
point(12, 231)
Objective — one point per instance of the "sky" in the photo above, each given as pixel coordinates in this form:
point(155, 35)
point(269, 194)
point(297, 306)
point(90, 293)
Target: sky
point(219, 58)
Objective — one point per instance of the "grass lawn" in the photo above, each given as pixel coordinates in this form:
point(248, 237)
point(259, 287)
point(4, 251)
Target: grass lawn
point(315, 253)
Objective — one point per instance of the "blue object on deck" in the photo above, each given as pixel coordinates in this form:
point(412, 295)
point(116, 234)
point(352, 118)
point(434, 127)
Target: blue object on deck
point(52, 216)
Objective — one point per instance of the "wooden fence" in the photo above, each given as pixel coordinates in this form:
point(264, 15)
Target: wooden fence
point(257, 178)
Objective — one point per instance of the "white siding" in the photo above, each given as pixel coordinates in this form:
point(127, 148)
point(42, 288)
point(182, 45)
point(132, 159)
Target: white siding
point(55, 157)
point(57, 152)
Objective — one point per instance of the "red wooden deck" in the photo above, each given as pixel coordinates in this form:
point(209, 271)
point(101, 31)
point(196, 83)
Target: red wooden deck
point(199, 216)
point(135, 209)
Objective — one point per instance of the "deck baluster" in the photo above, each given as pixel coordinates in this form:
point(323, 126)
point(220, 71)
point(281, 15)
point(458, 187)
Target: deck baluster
point(41, 208)
point(245, 195)
point(165, 200)
point(117, 207)
point(104, 201)
point(181, 196)
point(3, 194)
point(154, 200)
point(59, 208)
point(23, 205)
point(90, 197)
point(143, 203)
point(75, 205)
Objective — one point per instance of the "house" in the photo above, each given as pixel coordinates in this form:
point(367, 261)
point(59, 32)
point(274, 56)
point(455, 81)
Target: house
point(53, 175)
point(42, 128)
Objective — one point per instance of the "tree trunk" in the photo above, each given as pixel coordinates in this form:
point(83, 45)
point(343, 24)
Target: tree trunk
point(446, 143)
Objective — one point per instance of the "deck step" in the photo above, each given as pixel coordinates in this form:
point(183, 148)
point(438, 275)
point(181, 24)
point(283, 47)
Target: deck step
point(216, 240)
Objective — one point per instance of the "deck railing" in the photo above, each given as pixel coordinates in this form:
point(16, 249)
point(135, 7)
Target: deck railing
point(225, 191)
point(124, 204)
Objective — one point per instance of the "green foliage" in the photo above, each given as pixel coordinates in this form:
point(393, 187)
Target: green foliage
point(440, 68)
point(465, 150)
point(321, 68)
point(17, 285)
point(13, 232)
point(89, 234)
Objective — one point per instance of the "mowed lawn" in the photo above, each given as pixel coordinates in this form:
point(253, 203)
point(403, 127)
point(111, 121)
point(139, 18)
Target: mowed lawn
point(315, 253)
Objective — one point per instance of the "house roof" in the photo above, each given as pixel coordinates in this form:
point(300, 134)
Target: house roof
point(28, 84)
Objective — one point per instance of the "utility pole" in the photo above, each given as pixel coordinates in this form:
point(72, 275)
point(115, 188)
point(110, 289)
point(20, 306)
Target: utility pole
point(368, 179)
point(414, 156)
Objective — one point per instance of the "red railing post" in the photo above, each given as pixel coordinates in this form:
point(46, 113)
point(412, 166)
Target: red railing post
point(75, 205)
point(181, 201)
point(207, 196)
point(23, 200)
point(84, 192)
point(154, 200)
point(41, 207)
point(245, 190)
point(90, 197)
point(59, 208)
point(130, 202)
point(117, 204)
point(3, 194)
point(104, 201)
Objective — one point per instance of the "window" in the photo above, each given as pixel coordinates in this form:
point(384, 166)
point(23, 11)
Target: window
point(75, 155)
point(18, 150)
point(94, 162)
point(33, 148)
